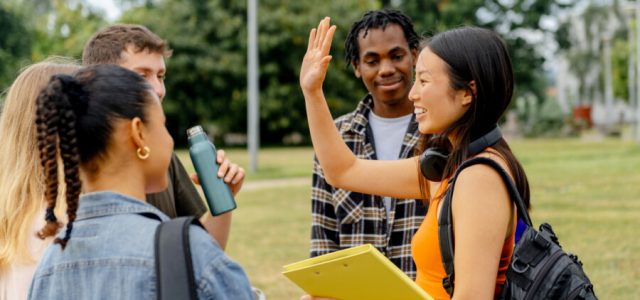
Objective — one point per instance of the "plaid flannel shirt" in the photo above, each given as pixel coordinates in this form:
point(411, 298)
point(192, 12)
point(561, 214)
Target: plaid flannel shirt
point(343, 219)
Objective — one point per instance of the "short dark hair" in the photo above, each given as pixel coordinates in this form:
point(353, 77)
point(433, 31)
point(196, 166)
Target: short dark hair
point(378, 19)
point(106, 45)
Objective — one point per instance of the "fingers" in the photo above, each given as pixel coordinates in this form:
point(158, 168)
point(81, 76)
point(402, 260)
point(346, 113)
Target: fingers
point(224, 167)
point(220, 156)
point(224, 163)
point(233, 169)
point(316, 61)
point(326, 44)
point(325, 62)
point(322, 30)
point(195, 179)
point(312, 38)
point(318, 36)
point(236, 180)
point(235, 174)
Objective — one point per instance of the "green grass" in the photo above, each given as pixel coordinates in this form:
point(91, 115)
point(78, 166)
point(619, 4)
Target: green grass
point(272, 162)
point(588, 191)
point(270, 229)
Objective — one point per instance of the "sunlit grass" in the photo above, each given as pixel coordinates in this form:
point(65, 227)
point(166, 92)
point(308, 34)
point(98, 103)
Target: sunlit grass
point(273, 163)
point(588, 191)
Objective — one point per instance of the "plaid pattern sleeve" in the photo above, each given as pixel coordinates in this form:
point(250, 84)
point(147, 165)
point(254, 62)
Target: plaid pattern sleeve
point(343, 219)
point(324, 226)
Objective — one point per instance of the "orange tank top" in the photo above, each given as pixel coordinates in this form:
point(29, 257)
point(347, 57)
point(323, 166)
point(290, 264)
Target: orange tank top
point(425, 247)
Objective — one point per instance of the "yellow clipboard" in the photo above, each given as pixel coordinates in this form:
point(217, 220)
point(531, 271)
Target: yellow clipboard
point(356, 273)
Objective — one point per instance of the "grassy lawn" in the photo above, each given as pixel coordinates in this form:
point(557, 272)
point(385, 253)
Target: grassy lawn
point(587, 190)
point(272, 162)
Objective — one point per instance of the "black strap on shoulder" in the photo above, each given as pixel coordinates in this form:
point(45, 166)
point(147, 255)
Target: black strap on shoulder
point(445, 226)
point(174, 268)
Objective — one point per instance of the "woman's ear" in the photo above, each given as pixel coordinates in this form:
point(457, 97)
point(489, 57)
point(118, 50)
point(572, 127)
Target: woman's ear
point(137, 132)
point(470, 93)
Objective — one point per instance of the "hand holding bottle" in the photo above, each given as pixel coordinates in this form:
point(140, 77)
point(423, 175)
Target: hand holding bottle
point(232, 174)
point(203, 156)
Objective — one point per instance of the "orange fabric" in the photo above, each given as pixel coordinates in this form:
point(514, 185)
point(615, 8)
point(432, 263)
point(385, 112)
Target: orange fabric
point(425, 247)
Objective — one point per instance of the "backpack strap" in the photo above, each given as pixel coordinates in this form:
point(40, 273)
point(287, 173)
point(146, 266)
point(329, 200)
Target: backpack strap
point(174, 268)
point(445, 226)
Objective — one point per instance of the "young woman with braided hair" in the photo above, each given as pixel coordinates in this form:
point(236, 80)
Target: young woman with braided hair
point(108, 126)
point(21, 179)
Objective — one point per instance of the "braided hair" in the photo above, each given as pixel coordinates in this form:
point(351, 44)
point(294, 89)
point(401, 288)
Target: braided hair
point(74, 117)
point(56, 123)
point(378, 19)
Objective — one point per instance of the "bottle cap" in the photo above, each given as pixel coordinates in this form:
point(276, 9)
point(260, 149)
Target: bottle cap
point(194, 130)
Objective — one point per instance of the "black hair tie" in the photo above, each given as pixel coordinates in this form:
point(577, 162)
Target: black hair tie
point(78, 98)
point(67, 233)
point(50, 216)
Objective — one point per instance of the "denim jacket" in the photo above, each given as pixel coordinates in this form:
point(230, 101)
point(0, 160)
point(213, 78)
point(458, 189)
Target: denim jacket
point(111, 256)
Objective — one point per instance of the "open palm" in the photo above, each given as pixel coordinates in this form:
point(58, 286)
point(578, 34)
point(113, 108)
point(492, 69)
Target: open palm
point(316, 60)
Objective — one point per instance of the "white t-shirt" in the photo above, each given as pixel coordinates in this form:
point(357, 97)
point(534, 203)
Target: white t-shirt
point(388, 135)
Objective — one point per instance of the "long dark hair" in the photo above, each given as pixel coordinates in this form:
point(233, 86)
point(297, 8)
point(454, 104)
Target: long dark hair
point(75, 116)
point(479, 55)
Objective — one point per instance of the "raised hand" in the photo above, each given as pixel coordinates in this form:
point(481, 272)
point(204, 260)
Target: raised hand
point(316, 60)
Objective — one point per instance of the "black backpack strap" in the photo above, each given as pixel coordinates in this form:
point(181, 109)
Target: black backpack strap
point(445, 226)
point(174, 268)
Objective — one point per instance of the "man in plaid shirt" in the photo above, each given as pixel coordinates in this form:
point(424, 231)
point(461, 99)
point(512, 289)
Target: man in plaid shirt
point(382, 48)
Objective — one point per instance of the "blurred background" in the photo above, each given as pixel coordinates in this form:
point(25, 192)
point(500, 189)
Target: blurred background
point(575, 61)
point(573, 122)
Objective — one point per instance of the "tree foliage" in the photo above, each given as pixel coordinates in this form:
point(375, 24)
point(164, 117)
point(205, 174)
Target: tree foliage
point(591, 27)
point(15, 45)
point(516, 21)
point(207, 78)
point(207, 75)
point(35, 30)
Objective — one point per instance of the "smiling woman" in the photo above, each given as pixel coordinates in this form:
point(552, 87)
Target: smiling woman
point(464, 83)
point(437, 106)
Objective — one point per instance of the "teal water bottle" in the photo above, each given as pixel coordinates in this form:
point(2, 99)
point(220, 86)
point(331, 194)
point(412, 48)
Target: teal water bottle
point(203, 157)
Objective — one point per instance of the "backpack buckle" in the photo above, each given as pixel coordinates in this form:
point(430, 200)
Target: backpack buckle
point(447, 283)
point(519, 266)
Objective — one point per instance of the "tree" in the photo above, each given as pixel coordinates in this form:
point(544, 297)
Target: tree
point(68, 26)
point(15, 46)
point(516, 21)
point(207, 76)
point(35, 30)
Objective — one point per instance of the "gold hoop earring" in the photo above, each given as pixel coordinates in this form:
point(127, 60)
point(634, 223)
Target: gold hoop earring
point(145, 155)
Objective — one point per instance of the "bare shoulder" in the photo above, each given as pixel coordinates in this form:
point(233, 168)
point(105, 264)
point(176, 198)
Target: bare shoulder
point(481, 201)
point(481, 171)
point(482, 184)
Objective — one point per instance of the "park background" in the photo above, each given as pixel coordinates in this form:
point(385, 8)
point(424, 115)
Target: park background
point(573, 122)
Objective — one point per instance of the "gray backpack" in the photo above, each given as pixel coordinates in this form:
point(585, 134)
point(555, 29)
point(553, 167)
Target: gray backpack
point(174, 268)
point(539, 268)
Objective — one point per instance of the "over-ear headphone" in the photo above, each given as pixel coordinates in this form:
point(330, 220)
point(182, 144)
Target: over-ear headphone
point(433, 160)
